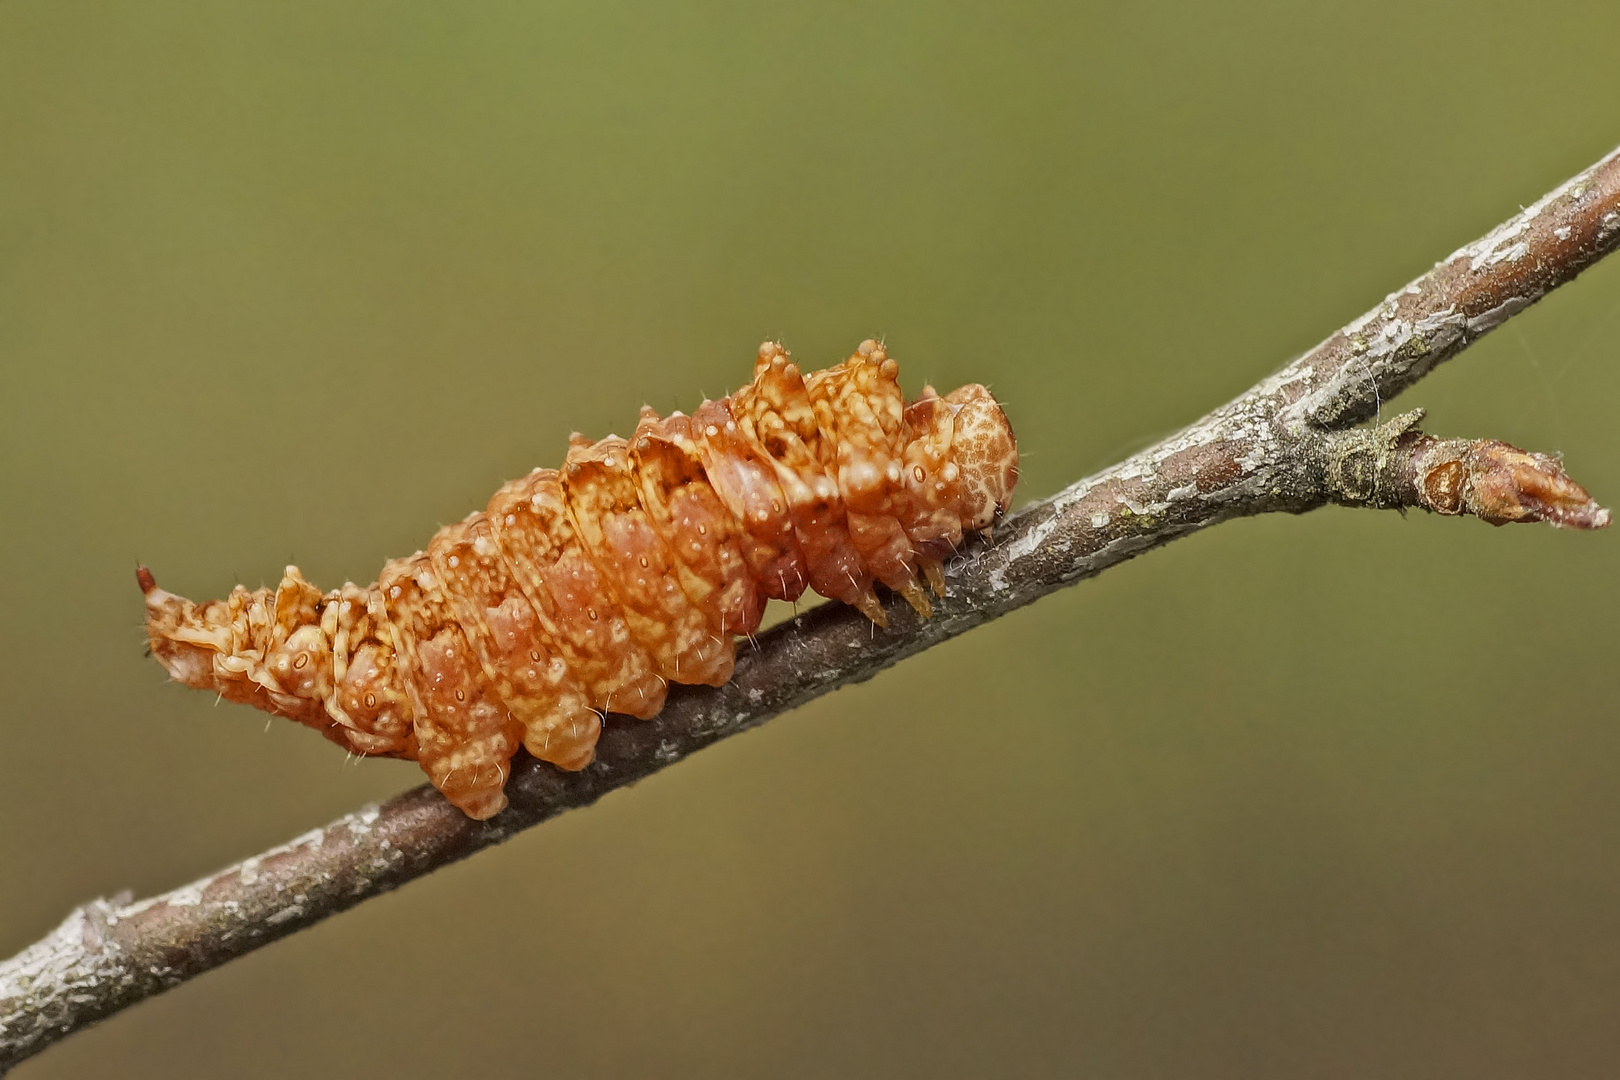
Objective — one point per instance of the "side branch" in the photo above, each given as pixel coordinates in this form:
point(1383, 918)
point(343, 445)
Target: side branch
point(1287, 444)
point(1396, 466)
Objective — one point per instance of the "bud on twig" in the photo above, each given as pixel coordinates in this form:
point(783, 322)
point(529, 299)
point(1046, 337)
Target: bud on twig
point(1499, 483)
point(1397, 466)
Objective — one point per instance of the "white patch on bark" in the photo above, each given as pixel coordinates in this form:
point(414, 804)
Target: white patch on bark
point(1501, 313)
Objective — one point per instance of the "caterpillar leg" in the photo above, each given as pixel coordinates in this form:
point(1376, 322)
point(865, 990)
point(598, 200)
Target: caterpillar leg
point(917, 597)
point(868, 604)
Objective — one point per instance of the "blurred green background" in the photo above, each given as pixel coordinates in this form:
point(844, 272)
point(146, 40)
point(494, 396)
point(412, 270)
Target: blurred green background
point(1322, 796)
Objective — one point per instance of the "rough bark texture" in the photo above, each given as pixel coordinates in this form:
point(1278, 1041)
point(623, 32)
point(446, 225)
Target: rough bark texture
point(1287, 444)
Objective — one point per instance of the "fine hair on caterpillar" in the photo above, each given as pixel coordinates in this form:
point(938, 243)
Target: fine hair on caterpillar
point(587, 590)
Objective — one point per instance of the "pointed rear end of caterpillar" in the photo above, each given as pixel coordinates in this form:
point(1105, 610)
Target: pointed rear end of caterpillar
point(264, 648)
point(179, 637)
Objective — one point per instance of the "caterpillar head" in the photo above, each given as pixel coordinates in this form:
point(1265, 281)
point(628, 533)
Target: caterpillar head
point(983, 447)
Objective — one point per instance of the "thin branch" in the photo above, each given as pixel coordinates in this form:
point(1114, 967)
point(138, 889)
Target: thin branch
point(1287, 444)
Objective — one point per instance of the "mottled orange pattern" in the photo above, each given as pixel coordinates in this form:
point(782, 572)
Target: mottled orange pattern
point(585, 591)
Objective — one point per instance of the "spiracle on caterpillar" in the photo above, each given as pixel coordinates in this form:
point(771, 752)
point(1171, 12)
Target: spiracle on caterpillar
point(587, 590)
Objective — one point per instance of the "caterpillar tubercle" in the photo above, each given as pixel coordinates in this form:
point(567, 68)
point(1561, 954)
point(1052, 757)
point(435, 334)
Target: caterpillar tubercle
point(587, 590)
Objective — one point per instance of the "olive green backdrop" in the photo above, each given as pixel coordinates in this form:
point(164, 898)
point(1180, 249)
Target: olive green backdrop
point(1326, 796)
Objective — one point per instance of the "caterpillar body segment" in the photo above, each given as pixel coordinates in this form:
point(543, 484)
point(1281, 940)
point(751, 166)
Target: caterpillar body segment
point(587, 590)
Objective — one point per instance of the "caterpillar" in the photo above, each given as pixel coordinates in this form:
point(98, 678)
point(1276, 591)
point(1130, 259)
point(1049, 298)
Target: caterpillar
point(587, 590)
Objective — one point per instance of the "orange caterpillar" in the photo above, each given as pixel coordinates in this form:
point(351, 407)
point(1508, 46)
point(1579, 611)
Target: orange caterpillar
point(586, 591)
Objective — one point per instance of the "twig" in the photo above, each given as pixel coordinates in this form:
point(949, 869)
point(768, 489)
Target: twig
point(1287, 444)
